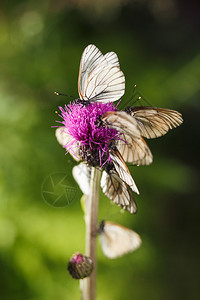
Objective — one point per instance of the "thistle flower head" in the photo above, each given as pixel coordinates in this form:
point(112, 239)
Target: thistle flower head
point(80, 266)
point(81, 123)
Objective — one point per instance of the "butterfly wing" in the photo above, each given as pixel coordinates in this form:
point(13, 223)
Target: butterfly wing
point(111, 58)
point(82, 174)
point(65, 139)
point(154, 122)
point(117, 240)
point(134, 150)
point(121, 121)
point(90, 60)
point(100, 78)
point(122, 169)
point(118, 191)
point(132, 146)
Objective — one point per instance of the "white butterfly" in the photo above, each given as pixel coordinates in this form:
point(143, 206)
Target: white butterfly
point(117, 240)
point(100, 78)
point(154, 122)
point(138, 122)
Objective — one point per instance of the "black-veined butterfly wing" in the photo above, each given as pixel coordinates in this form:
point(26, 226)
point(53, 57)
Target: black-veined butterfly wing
point(132, 146)
point(122, 122)
point(111, 58)
point(117, 240)
point(100, 78)
point(122, 169)
point(134, 150)
point(65, 139)
point(154, 122)
point(90, 60)
point(118, 191)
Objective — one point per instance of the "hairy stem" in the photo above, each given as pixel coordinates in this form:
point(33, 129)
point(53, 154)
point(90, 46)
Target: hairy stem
point(89, 284)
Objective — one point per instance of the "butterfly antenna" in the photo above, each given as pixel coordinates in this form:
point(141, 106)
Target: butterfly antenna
point(138, 99)
point(134, 88)
point(141, 98)
point(131, 98)
point(60, 94)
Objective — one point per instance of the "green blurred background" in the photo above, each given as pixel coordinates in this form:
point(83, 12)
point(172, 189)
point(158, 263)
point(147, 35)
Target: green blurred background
point(41, 43)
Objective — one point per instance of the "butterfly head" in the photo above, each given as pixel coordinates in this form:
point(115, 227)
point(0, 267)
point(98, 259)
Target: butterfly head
point(108, 167)
point(83, 102)
point(128, 109)
point(101, 227)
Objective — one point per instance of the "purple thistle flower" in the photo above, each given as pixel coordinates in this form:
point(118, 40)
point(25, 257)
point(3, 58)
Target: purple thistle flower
point(81, 124)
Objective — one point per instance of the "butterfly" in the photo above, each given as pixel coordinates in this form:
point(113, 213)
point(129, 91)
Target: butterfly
point(154, 122)
point(117, 240)
point(112, 185)
point(100, 78)
point(136, 123)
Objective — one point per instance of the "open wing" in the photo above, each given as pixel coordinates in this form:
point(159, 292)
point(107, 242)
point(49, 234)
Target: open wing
point(154, 122)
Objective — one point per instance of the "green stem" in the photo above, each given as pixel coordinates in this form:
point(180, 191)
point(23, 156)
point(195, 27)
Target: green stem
point(91, 214)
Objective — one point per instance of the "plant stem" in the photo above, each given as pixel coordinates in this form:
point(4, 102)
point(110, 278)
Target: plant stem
point(91, 213)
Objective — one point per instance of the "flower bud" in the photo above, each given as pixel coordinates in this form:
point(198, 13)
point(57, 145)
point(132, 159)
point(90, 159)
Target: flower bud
point(80, 266)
